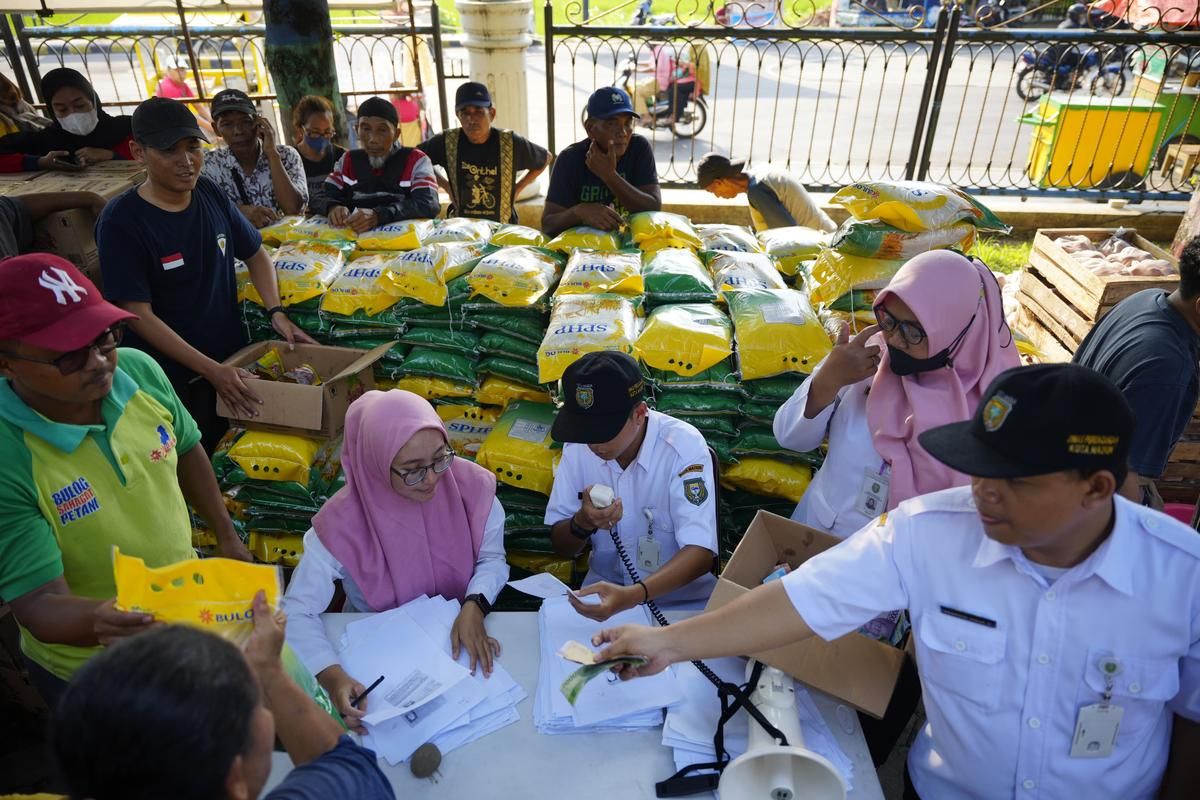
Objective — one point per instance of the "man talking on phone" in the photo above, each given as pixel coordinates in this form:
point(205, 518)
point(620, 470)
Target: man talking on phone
point(264, 179)
point(599, 180)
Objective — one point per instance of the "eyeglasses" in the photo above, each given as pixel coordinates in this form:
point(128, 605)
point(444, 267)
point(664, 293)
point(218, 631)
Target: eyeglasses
point(412, 477)
point(913, 333)
point(320, 134)
point(71, 362)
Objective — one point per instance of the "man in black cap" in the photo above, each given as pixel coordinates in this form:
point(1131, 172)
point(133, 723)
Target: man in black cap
point(167, 252)
point(382, 181)
point(656, 513)
point(607, 175)
point(264, 179)
point(482, 162)
point(777, 199)
point(1057, 624)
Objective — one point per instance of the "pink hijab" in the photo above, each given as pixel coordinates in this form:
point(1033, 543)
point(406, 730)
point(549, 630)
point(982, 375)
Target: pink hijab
point(944, 290)
point(397, 549)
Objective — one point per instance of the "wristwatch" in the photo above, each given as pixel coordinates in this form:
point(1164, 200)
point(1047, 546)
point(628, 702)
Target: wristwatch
point(273, 310)
point(580, 532)
point(480, 601)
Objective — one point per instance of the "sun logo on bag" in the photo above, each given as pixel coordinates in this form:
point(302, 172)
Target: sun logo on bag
point(206, 617)
point(996, 411)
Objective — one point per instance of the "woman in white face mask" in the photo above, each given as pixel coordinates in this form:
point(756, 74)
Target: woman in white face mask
point(82, 133)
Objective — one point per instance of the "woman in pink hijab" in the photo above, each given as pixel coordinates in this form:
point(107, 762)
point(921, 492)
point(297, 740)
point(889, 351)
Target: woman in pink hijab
point(412, 520)
point(939, 341)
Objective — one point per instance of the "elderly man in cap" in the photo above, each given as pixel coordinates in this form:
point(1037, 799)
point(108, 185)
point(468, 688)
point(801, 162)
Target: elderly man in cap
point(381, 182)
point(482, 161)
point(777, 200)
point(607, 175)
point(264, 179)
point(98, 451)
point(1057, 624)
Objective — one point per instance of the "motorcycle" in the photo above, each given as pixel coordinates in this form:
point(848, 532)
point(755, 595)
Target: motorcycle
point(1050, 71)
point(687, 120)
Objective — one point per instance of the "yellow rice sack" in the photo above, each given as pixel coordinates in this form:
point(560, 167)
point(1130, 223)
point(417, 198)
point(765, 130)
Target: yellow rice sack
point(422, 274)
point(467, 426)
point(792, 246)
point(686, 339)
point(516, 235)
point(267, 456)
point(498, 391)
point(720, 236)
point(520, 450)
point(596, 272)
point(404, 234)
point(271, 548)
point(766, 476)
point(320, 228)
point(833, 274)
point(460, 229)
point(434, 388)
point(915, 205)
point(585, 237)
point(363, 286)
point(517, 277)
point(654, 230)
point(304, 271)
point(737, 271)
point(241, 274)
point(561, 568)
point(276, 233)
point(582, 324)
point(874, 239)
point(776, 332)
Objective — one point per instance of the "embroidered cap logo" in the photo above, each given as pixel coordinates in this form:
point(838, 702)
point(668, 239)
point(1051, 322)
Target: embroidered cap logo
point(584, 396)
point(996, 411)
point(63, 286)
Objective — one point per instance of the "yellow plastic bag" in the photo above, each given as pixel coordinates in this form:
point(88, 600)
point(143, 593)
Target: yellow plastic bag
point(596, 272)
point(498, 391)
point(215, 594)
point(270, 548)
point(404, 234)
point(277, 232)
point(737, 271)
point(735, 238)
point(833, 274)
point(585, 237)
point(520, 450)
point(319, 228)
point(459, 229)
point(467, 426)
point(267, 456)
point(582, 324)
point(422, 274)
point(304, 270)
point(792, 246)
point(241, 274)
point(516, 235)
point(434, 388)
point(654, 230)
point(777, 332)
point(766, 476)
point(686, 339)
point(915, 205)
point(363, 286)
point(517, 277)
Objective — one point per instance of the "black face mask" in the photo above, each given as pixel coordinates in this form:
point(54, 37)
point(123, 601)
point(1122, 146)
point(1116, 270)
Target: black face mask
point(903, 364)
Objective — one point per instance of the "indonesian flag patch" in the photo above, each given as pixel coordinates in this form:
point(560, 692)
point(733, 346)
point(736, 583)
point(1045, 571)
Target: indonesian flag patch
point(173, 261)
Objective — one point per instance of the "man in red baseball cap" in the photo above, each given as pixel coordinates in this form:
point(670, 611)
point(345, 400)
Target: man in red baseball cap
point(96, 453)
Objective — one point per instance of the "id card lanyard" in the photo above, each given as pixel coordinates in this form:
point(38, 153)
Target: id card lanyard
point(873, 493)
point(1097, 726)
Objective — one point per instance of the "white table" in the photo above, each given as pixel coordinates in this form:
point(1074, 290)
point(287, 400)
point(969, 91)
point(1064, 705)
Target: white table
point(519, 762)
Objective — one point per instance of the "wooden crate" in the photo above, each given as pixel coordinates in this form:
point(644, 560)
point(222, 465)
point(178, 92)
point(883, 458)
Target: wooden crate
point(1043, 303)
point(1053, 350)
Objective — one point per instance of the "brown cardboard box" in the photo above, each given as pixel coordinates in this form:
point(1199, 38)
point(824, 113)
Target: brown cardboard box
point(854, 668)
point(346, 374)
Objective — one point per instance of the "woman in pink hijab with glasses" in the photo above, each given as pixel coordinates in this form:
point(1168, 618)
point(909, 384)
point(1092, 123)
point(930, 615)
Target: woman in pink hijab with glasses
point(412, 520)
point(939, 341)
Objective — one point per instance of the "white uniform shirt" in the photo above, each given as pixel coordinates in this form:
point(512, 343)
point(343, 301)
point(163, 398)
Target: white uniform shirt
point(671, 476)
point(829, 502)
point(311, 590)
point(1002, 702)
point(793, 196)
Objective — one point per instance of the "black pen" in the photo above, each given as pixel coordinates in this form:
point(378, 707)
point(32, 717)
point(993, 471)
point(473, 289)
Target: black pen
point(354, 703)
point(968, 617)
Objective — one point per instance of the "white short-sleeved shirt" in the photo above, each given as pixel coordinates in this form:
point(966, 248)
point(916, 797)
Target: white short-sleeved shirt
point(1002, 702)
point(672, 477)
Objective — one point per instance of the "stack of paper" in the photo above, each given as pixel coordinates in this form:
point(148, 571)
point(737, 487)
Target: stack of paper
point(425, 696)
point(604, 705)
point(691, 724)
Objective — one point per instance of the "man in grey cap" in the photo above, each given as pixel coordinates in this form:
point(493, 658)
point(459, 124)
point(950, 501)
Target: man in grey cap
point(777, 199)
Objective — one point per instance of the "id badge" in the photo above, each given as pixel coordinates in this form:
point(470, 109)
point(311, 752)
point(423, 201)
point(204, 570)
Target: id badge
point(873, 495)
point(648, 552)
point(1096, 731)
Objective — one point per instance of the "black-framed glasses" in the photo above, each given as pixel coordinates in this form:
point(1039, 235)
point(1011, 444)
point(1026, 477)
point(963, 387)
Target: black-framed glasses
point(71, 362)
point(320, 134)
point(412, 477)
point(913, 333)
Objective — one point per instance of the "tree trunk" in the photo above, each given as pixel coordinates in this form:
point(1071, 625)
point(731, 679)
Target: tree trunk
point(299, 50)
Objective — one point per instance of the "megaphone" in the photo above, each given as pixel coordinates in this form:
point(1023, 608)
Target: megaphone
point(769, 771)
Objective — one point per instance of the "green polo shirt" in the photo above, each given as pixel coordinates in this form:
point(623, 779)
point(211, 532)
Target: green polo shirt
point(68, 493)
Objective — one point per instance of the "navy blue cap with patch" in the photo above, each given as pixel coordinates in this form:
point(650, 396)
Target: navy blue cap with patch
point(472, 94)
point(598, 392)
point(608, 102)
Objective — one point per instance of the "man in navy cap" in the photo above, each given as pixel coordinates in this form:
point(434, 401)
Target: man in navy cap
point(481, 161)
point(611, 173)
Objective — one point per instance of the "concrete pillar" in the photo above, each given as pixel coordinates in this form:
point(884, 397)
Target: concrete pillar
point(497, 38)
point(299, 51)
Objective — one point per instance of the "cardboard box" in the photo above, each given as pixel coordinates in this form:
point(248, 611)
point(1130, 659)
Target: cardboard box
point(855, 668)
point(106, 183)
point(345, 373)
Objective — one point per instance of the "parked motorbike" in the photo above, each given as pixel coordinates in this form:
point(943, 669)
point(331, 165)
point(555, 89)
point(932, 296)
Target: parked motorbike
point(1101, 68)
point(687, 121)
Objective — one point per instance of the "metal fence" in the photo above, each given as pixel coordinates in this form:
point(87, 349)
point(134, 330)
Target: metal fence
point(969, 99)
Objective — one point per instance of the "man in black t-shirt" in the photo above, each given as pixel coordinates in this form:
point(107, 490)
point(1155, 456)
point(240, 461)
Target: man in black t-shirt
point(607, 175)
point(482, 162)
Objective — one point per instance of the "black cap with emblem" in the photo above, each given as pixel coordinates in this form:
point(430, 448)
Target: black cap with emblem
point(598, 392)
point(1038, 420)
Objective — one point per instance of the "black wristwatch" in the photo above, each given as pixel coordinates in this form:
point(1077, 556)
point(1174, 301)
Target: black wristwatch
point(480, 601)
point(580, 532)
point(273, 310)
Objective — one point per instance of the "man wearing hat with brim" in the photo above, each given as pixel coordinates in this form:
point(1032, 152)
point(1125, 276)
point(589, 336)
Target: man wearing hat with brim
point(608, 175)
point(167, 253)
point(98, 451)
point(777, 199)
point(482, 161)
point(661, 520)
point(382, 181)
point(1057, 624)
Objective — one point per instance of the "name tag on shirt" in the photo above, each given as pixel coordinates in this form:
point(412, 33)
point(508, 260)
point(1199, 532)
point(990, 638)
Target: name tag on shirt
point(1096, 731)
point(873, 494)
point(649, 554)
